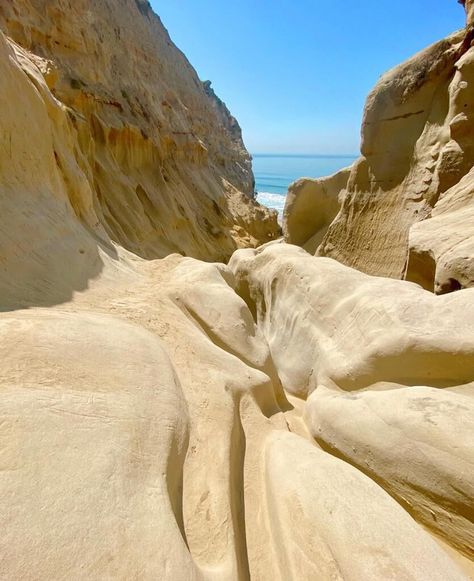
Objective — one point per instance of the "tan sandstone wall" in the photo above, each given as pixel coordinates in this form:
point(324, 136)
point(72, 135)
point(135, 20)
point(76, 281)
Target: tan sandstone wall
point(160, 160)
point(416, 145)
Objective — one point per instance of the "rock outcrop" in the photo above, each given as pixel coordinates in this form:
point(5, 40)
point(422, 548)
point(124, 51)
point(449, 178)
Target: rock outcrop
point(469, 5)
point(146, 433)
point(416, 146)
point(441, 248)
point(280, 417)
point(142, 152)
point(387, 387)
point(311, 206)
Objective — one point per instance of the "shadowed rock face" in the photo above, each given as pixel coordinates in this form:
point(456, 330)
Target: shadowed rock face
point(280, 417)
point(416, 146)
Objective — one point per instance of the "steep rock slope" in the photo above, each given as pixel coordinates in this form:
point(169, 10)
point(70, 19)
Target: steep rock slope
point(176, 419)
point(416, 145)
point(144, 152)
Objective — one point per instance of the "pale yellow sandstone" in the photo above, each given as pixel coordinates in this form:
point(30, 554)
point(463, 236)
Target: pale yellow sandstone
point(167, 418)
point(308, 486)
point(143, 149)
point(416, 145)
point(311, 205)
point(387, 386)
point(441, 256)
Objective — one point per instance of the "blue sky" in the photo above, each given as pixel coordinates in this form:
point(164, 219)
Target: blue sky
point(295, 73)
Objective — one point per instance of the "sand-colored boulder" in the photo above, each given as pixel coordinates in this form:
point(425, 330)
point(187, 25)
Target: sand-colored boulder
point(329, 324)
point(352, 343)
point(441, 255)
point(311, 205)
point(94, 431)
point(441, 248)
point(415, 441)
point(306, 485)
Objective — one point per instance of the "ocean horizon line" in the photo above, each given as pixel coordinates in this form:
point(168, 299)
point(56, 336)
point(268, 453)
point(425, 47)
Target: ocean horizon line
point(309, 155)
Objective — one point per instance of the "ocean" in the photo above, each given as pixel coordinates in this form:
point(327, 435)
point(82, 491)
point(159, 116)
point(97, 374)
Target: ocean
point(274, 173)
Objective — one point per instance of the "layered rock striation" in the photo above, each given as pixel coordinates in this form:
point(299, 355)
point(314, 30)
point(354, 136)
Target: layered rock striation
point(280, 417)
point(142, 152)
point(416, 149)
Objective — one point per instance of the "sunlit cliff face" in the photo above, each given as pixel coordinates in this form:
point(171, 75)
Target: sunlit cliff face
point(282, 416)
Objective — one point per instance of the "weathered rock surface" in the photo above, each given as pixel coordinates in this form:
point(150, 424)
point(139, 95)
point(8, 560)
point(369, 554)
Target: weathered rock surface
point(282, 417)
point(416, 145)
point(92, 456)
point(441, 248)
point(136, 143)
point(469, 5)
point(311, 206)
point(122, 461)
point(387, 387)
point(311, 486)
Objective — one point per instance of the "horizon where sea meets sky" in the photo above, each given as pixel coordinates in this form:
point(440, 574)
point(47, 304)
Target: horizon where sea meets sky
point(296, 73)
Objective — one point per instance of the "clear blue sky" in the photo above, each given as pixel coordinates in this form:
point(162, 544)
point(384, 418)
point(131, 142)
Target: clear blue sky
point(295, 73)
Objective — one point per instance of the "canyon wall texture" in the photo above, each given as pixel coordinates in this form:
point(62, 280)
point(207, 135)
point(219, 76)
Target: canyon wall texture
point(416, 148)
point(147, 156)
point(469, 5)
point(282, 417)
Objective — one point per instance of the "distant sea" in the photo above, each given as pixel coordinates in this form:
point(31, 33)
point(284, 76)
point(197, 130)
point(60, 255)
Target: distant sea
point(274, 173)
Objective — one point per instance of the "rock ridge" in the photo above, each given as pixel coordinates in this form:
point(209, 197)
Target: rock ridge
point(416, 152)
point(160, 159)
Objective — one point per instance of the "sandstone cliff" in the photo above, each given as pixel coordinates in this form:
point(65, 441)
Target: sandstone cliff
point(416, 147)
point(469, 5)
point(140, 149)
point(280, 417)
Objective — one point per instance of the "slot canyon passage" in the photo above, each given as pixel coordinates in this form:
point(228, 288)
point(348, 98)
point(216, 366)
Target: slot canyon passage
point(188, 393)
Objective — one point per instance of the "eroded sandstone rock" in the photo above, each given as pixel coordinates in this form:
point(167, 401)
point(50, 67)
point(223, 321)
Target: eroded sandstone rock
point(416, 145)
point(307, 485)
point(311, 206)
point(154, 396)
point(387, 386)
point(142, 150)
point(94, 430)
point(441, 248)
point(176, 419)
